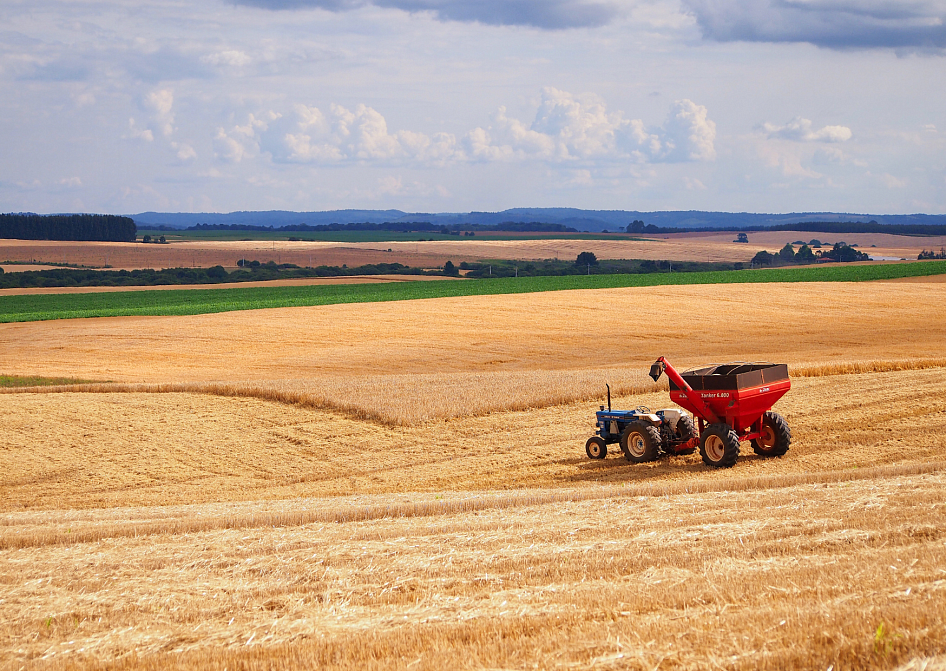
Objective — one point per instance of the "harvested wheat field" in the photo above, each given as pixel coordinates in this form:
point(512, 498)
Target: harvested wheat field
point(833, 555)
point(434, 253)
point(625, 329)
point(404, 486)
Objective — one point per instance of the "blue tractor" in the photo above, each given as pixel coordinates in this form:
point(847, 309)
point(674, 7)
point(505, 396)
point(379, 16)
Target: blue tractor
point(642, 433)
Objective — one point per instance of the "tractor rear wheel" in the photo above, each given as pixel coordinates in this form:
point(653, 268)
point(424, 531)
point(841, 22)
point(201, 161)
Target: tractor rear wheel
point(640, 442)
point(686, 431)
point(775, 438)
point(719, 446)
point(596, 448)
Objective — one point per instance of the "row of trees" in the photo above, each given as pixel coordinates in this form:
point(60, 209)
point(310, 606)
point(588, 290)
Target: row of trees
point(930, 254)
point(841, 252)
point(810, 226)
point(70, 227)
point(397, 227)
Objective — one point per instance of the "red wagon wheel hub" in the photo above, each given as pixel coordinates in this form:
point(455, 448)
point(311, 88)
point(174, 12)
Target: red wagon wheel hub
point(767, 436)
point(715, 448)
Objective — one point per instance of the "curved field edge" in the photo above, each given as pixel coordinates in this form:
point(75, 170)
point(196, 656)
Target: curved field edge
point(369, 399)
point(205, 301)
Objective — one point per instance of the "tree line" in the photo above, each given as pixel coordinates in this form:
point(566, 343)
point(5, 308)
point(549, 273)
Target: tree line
point(394, 227)
point(68, 227)
point(840, 252)
point(810, 227)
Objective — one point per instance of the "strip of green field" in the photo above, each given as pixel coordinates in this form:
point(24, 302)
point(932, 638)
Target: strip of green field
point(10, 381)
point(202, 301)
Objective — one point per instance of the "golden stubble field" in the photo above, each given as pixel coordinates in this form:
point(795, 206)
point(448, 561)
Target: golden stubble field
point(405, 486)
point(433, 254)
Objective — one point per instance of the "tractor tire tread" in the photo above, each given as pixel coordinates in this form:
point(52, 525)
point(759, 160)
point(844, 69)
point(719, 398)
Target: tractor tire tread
point(651, 438)
point(686, 429)
point(596, 442)
point(783, 436)
point(730, 445)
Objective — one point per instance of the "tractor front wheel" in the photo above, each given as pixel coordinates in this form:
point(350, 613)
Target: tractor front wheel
point(719, 446)
point(640, 442)
point(596, 448)
point(775, 438)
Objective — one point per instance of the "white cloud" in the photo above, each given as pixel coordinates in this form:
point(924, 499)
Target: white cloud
point(800, 130)
point(242, 141)
point(228, 148)
point(71, 182)
point(786, 157)
point(84, 99)
point(185, 152)
point(135, 133)
point(161, 103)
point(311, 136)
point(689, 133)
point(892, 182)
point(566, 128)
point(227, 57)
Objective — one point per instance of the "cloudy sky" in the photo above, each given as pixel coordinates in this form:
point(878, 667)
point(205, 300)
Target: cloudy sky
point(454, 105)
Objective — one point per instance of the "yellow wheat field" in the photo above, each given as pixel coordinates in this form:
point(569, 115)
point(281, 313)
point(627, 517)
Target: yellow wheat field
point(800, 324)
point(404, 486)
point(499, 548)
point(717, 247)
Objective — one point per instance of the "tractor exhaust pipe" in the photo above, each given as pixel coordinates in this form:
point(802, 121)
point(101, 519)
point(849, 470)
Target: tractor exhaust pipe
point(609, 395)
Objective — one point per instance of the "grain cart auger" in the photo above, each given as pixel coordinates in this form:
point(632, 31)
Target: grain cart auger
point(732, 403)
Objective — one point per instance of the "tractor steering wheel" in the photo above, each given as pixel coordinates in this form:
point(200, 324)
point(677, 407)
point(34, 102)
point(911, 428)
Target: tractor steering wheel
point(643, 409)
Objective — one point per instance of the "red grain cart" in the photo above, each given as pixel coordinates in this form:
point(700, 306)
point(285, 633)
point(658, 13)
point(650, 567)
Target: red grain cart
point(732, 402)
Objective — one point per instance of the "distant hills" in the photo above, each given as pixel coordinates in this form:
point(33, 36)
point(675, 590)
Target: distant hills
point(583, 220)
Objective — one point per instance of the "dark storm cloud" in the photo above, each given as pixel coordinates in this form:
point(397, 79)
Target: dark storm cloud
point(548, 14)
point(835, 24)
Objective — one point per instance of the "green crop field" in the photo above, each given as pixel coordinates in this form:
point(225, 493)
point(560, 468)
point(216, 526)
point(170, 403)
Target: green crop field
point(202, 301)
point(34, 381)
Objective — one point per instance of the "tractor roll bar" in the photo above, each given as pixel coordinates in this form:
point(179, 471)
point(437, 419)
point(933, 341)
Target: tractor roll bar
point(661, 365)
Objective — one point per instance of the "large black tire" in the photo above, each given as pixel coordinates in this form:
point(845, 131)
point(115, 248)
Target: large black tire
point(776, 436)
point(719, 446)
point(640, 442)
point(596, 448)
point(686, 429)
